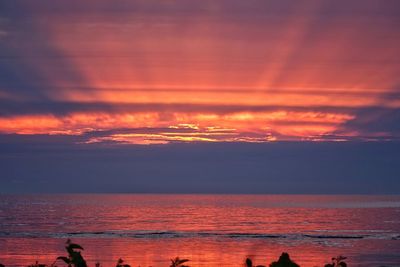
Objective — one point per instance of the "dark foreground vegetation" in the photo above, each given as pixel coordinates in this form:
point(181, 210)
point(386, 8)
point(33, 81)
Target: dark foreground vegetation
point(74, 258)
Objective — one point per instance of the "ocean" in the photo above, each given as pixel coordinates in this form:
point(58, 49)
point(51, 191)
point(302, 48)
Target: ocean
point(210, 230)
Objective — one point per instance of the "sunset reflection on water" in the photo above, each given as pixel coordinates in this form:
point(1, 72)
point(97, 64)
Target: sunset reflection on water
point(210, 230)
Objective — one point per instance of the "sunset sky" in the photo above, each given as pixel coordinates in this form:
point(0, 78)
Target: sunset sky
point(128, 75)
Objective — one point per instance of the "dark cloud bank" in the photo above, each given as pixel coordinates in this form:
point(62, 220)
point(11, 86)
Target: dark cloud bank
point(41, 163)
point(51, 164)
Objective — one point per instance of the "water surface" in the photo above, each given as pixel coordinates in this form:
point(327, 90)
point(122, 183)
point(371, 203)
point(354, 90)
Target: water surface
point(211, 230)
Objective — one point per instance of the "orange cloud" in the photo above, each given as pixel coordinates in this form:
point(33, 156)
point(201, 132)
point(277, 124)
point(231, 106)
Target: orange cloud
point(198, 127)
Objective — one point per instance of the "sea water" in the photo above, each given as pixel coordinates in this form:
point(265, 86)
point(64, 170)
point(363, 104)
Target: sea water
point(210, 230)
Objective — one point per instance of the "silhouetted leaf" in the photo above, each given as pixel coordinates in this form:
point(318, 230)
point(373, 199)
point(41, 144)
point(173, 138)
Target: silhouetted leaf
point(65, 259)
point(177, 262)
point(249, 263)
point(75, 246)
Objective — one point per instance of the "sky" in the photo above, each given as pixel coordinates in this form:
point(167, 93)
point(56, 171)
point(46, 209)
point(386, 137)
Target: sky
point(206, 96)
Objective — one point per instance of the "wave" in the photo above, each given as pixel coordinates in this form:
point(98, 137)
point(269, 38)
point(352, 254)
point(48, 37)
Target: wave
point(188, 234)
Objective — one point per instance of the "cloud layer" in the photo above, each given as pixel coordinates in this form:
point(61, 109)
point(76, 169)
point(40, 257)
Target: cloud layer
point(156, 72)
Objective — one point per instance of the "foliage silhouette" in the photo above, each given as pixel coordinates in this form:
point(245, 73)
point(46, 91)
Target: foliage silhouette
point(249, 263)
point(37, 264)
point(284, 261)
point(337, 262)
point(120, 263)
point(74, 257)
point(177, 262)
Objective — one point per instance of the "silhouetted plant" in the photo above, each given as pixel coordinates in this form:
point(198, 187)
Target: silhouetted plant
point(177, 262)
point(37, 264)
point(249, 263)
point(284, 261)
point(337, 262)
point(120, 263)
point(74, 257)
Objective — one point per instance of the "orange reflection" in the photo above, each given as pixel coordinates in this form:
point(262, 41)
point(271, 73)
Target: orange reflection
point(204, 228)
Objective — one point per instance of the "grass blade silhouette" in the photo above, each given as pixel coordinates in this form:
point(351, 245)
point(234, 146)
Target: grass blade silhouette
point(177, 262)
